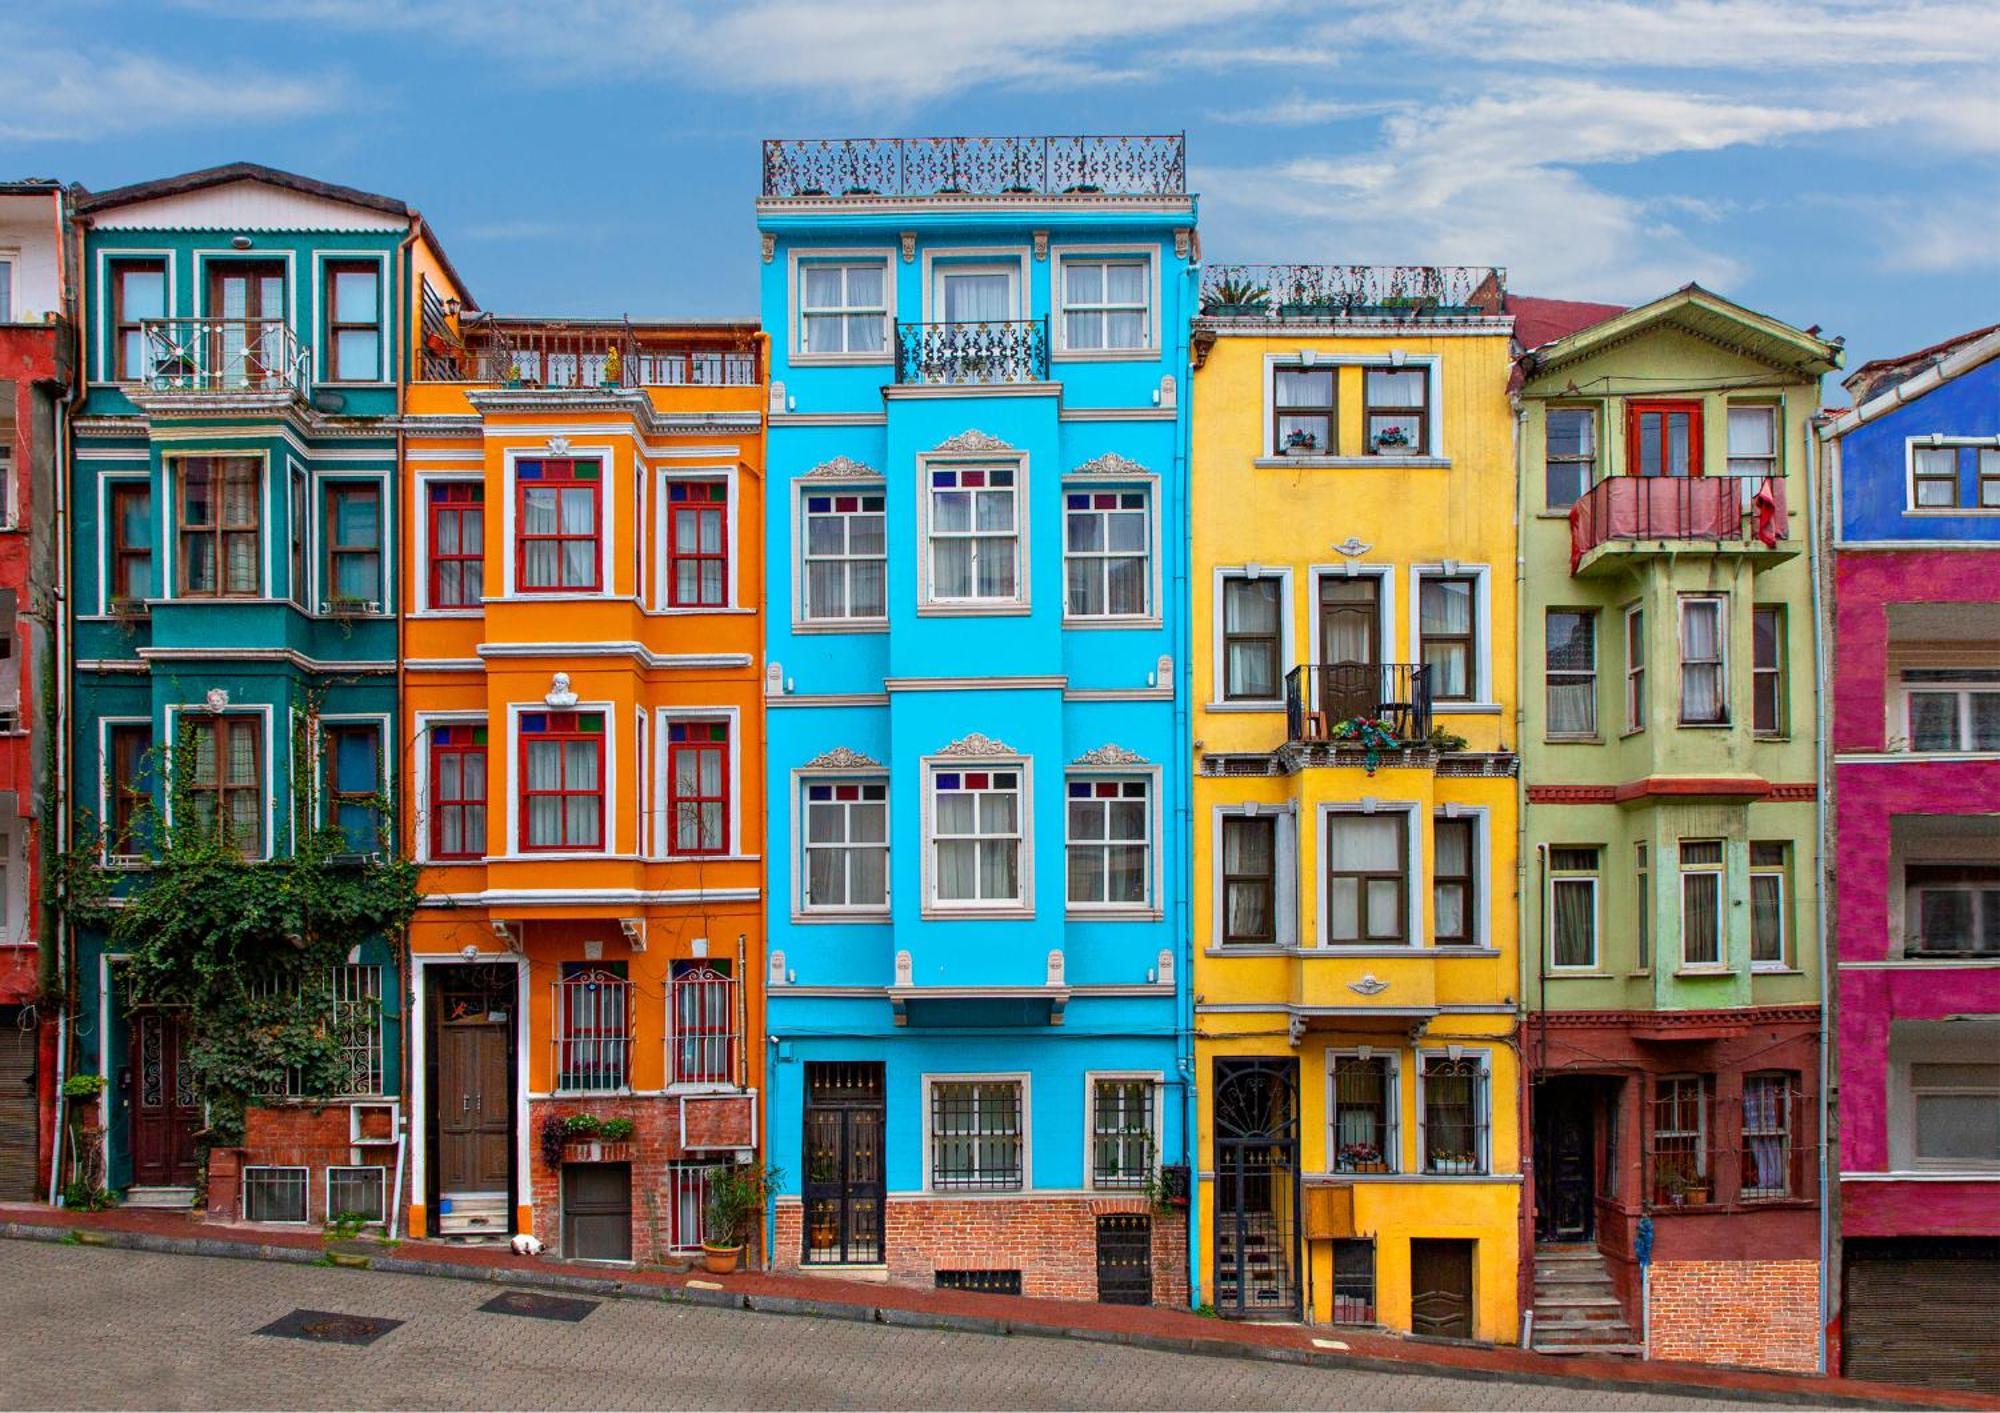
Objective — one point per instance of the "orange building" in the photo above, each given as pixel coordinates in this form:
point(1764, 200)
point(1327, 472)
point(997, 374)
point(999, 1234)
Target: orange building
point(582, 739)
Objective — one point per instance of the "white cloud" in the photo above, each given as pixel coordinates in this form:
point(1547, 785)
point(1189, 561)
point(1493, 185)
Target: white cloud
point(56, 95)
point(1298, 110)
point(1945, 234)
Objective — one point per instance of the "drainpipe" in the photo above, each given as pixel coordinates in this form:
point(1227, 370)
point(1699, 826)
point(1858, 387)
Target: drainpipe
point(1182, 640)
point(406, 799)
point(56, 960)
point(1524, 1276)
point(1829, 1192)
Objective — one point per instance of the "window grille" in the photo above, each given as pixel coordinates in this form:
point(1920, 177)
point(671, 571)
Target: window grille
point(704, 1024)
point(1121, 1131)
point(274, 1194)
point(354, 1022)
point(687, 1205)
point(976, 1135)
point(1454, 1115)
point(1769, 1109)
point(1678, 1154)
point(356, 1190)
point(1364, 1115)
point(1354, 1282)
point(986, 1282)
point(593, 1030)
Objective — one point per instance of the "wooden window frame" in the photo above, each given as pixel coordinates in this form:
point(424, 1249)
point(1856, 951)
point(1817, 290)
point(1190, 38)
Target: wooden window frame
point(120, 325)
point(1989, 478)
point(1400, 875)
point(1635, 668)
point(451, 748)
point(523, 538)
point(1636, 411)
point(1553, 676)
point(562, 727)
point(1920, 478)
point(332, 734)
point(1275, 638)
point(127, 560)
point(218, 530)
point(330, 495)
point(708, 504)
point(1551, 459)
point(1268, 882)
point(1470, 637)
point(1468, 935)
point(678, 750)
point(211, 801)
point(1329, 410)
point(335, 326)
point(126, 746)
point(1370, 409)
point(1771, 673)
point(471, 502)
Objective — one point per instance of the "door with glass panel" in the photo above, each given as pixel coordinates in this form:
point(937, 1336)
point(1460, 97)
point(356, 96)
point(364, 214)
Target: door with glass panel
point(843, 1179)
point(246, 344)
point(1350, 647)
point(976, 294)
point(981, 342)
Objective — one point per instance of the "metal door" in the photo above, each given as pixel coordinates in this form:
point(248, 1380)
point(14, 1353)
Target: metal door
point(844, 1180)
point(1441, 1289)
point(1125, 1258)
point(1923, 1311)
point(597, 1211)
point(1256, 1187)
point(166, 1111)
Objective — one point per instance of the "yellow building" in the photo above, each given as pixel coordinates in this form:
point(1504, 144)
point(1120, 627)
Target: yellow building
point(1355, 876)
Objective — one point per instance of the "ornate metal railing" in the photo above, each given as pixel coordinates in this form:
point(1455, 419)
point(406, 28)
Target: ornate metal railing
point(1322, 698)
point(1000, 351)
point(1348, 291)
point(977, 166)
point(578, 355)
point(223, 355)
point(1722, 509)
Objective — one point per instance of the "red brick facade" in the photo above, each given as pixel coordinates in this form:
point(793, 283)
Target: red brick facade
point(311, 1136)
point(1051, 1241)
point(1754, 1314)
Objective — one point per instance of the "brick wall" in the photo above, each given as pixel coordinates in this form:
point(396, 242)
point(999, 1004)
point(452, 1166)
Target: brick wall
point(1051, 1241)
point(1755, 1314)
point(314, 1137)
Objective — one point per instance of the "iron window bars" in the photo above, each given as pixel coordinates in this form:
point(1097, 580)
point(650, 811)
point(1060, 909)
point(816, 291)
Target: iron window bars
point(1121, 1132)
point(1455, 1115)
point(977, 1140)
point(593, 1036)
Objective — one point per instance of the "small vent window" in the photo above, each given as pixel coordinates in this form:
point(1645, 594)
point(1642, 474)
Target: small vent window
point(274, 1194)
point(986, 1282)
point(356, 1192)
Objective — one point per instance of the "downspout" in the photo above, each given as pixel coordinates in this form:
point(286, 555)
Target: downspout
point(54, 962)
point(1182, 647)
point(1829, 1192)
point(407, 799)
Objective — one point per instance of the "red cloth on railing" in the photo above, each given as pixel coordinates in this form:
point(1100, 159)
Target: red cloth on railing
point(1771, 518)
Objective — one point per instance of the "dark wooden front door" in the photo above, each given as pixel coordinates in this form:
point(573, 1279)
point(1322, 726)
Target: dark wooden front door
point(166, 1113)
point(1350, 649)
point(844, 1172)
point(1441, 1289)
point(474, 1107)
point(597, 1211)
point(1565, 1186)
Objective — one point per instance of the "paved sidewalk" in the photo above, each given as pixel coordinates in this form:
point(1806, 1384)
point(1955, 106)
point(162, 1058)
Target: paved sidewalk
point(1146, 1328)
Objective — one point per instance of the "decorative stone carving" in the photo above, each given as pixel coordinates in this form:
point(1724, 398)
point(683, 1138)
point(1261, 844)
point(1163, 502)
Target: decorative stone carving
point(770, 246)
point(977, 745)
point(905, 971)
point(972, 440)
point(777, 401)
point(559, 693)
point(217, 699)
point(1041, 245)
point(1353, 547)
point(1368, 984)
point(1163, 968)
point(909, 240)
point(1056, 967)
point(776, 963)
point(841, 758)
point(1181, 235)
point(1111, 464)
point(842, 468)
point(1169, 390)
point(558, 446)
point(1108, 754)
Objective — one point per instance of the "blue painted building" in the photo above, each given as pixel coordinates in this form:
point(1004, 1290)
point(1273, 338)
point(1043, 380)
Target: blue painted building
point(976, 684)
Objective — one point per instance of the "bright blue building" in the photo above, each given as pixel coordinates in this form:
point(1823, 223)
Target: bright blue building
point(977, 691)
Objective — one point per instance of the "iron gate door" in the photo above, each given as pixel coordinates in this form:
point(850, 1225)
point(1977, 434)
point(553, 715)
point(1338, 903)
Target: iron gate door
point(1256, 1187)
point(1125, 1258)
point(844, 1180)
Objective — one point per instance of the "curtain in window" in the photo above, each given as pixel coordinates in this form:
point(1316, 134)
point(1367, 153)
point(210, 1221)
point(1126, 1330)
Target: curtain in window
point(1453, 850)
point(1767, 933)
point(239, 507)
point(1701, 663)
point(1572, 674)
point(1445, 611)
point(1251, 607)
point(972, 299)
point(545, 813)
point(998, 858)
point(1366, 844)
point(1701, 916)
point(1347, 638)
point(957, 858)
point(579, 517)
point(1573, 904)
point(1246, 853)
point(1764, 1127)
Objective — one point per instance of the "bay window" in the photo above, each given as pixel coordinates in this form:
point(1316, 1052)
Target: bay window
point(1368, 878)
point(352, 517)
point(1704, 661)
point(697, 544)
point(458, 791)
point(698, 786)
point(1107, 541)
point(457, 544)
point(227, 782)
point(221, 526)
point(1573, 875)
point(559, 525)
point(1702, 893)
point(975, 538)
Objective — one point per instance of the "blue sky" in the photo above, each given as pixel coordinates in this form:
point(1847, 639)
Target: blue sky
point(1829, 162)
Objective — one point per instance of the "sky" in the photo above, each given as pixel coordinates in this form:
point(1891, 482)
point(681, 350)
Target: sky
point(1827, 162)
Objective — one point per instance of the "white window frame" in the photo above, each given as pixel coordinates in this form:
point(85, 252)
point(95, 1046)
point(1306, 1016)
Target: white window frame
point(1780, 873)
point(1149, 906)
point(1284, 879)
point(1595, 878)
point(273, 821)
point(326, 1188)
point(929, 602)
point(1767, 463)
point(421, 534)
point(319, 566)
point(1024, 835)
point(1149, 512)
point(1634, 620)
point(804, 620)
point(1392, 1152)
point(1720, 603)
point(1915, 1091)
point(1482, 1113)
point(1416, 874)
point(10, 287)
point(1569, 675)
point(613, 480)
point(1964, 691)
point(305, 1190)
point(1091, 1079)
point(1020, 1078)
point(1287, 648)
point(517, 821)
point(657, 826)
point(1008, 260)
point(799, 259)
point(1720, 872)
point(1061, 257)
point(803, 908)
point(1481, 700)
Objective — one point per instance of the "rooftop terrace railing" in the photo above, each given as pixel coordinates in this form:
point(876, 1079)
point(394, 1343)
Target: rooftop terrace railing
point(1349, 291)
point(578, 355)
point(976, 166)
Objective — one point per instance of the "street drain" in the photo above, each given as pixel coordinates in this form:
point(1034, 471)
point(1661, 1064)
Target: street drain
point(539, 1307)
point(330, 1327)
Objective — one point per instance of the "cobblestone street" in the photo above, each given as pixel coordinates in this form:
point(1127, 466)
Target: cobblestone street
point(99, 1328)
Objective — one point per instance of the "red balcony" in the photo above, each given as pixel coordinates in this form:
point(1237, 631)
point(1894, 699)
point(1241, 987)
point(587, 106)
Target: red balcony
point(1626, 517)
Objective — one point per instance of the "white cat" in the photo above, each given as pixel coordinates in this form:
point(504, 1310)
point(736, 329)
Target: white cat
point(526, 1245)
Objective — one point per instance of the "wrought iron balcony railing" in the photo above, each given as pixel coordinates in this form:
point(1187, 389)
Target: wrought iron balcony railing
point(223, 355)
point(1364, 705)
point(977, 166)
point(577, 355)
point(1350, 291)
point(1740, 510)
point(998, 351)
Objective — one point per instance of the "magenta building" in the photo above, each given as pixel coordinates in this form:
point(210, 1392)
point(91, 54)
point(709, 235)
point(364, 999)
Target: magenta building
point(1912, 582)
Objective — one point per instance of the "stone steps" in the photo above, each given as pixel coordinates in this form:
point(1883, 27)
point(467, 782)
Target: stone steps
point(1577, 1310)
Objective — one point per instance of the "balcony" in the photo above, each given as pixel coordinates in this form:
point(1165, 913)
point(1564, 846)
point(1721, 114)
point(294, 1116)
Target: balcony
point(576, 355)
point(976, 166)
point(1002, 351)
point(224, 356)
point(1366, 707)
point(1623, 518)
point(1320, 293)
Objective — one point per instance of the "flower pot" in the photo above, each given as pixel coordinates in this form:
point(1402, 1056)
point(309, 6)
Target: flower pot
point(720, 1260)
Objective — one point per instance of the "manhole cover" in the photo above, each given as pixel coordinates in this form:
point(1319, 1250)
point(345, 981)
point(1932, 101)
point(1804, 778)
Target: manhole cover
point(540, 1307)
point(330, 1327)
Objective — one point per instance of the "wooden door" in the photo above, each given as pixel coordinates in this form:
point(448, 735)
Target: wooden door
point(246, 348)
point(597, 1211)
point(1441, 1289)
point(18, 1138)
point(474, 1108)
point(1565, 1186)
point(166, 1112)
point(1350, 647)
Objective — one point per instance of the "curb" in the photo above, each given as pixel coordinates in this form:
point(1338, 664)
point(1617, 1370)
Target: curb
point(1216, 1347)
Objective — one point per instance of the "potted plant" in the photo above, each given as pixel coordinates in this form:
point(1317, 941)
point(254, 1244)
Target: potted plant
point(1235, 299)
point(616, 1130)
point(1300, 442)
point(1392, 439)
point(735, 1198)
point(1359, 1157)
point(1372, 736)
point(82, 1092)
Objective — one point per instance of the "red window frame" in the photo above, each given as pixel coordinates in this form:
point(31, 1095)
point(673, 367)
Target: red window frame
point(561, 727)
point(692, 741)
point(564, 474)
point(461, 501)
point(1667, 409)
point(458, 743)
point(690, 504)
